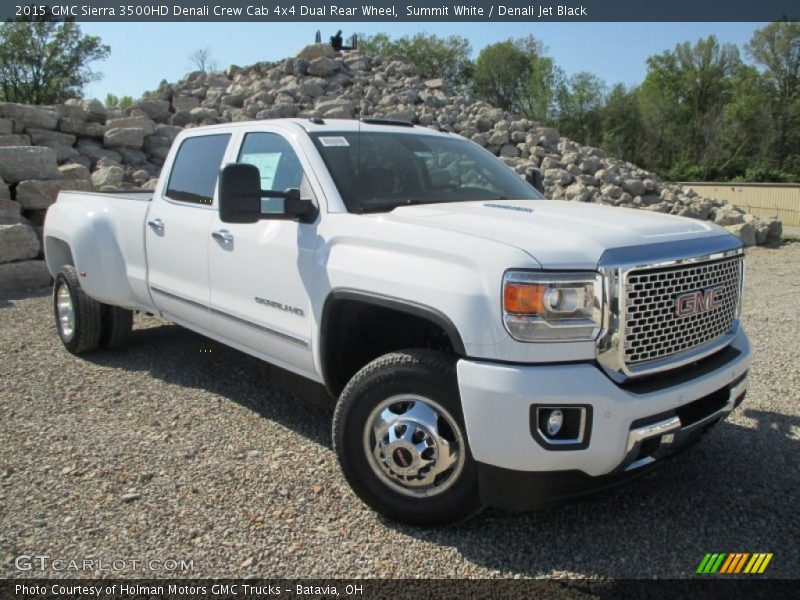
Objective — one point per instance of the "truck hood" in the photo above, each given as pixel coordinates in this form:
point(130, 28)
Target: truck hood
point(568, 235)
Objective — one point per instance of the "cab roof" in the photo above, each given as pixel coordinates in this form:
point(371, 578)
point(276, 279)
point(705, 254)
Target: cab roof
point(320, 125)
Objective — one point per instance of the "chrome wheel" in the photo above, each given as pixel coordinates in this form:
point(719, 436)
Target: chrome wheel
point(414, 445)
point(66, 312)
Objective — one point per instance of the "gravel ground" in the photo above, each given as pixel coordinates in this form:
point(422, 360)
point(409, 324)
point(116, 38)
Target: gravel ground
point(175, 448)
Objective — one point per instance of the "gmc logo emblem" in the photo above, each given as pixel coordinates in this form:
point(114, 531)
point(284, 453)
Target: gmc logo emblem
point(698, 301)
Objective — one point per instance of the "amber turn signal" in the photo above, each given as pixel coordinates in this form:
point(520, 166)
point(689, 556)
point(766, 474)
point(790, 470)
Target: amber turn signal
point(524, 298)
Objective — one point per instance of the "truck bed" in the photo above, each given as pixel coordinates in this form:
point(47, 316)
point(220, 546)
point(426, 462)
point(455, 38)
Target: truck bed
point(105, 235)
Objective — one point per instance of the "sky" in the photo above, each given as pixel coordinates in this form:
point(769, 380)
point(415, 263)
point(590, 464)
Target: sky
point(142, 54)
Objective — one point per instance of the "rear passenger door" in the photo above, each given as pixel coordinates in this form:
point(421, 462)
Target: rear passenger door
point(177, 233)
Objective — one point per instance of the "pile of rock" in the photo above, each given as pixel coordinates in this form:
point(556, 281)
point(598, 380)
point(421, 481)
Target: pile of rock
point(82, 145)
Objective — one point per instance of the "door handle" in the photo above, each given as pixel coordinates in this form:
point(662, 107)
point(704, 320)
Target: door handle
point(156, 224)
point(223, 235)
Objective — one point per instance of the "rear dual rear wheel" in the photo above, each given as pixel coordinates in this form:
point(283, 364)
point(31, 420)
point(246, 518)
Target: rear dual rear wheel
point(84, 324)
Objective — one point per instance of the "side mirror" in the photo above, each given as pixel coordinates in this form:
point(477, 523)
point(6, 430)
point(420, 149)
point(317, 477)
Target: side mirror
point(534, 177)
point(240, 198)
point(239, 194)
point(295, 207)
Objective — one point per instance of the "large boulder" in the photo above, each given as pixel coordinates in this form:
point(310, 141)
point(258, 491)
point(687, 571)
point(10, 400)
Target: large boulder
point(146, 124)
point(94, 151)
point(217, 80)
point(335, 109)
point(635, 187)
point(323, 67)
point(95, 110)
point(82, 128)
point(185, 103)
point(71, 110)
point(157, 146)
point(18, 242)
point(30, 116)
point(497, 137)
point(24, 275)
point(157, 110)
point(40, 136)
point(745, 232)
point(727, 216)
point(74, 171)
point(38, 195)
point(111, 176)
point(126, 137)
point(15, 139)
point(10, 211)
point(314, 51)
point(18, 163)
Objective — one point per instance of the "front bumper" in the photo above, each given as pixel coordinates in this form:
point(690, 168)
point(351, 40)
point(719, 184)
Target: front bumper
point(632, 428)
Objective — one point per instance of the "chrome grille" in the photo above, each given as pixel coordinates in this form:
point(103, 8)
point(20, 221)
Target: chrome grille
point(653, 330)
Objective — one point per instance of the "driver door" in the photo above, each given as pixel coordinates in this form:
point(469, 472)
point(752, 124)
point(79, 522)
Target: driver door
point(259, 298)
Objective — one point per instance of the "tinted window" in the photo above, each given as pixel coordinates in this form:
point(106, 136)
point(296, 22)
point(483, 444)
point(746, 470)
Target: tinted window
point(276, 161)
point(195, 170)
point(376, 172)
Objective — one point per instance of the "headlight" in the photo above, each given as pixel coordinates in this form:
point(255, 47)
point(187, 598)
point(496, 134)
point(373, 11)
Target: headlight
point(552, 307)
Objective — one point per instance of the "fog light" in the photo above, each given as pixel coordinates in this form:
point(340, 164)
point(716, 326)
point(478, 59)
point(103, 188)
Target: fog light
point(561, 427)
point(554, 422)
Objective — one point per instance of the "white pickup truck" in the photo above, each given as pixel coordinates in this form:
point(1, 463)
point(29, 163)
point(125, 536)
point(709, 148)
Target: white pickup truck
point(484, 346)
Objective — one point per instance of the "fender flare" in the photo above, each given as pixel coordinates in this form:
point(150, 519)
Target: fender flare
point(416, 309)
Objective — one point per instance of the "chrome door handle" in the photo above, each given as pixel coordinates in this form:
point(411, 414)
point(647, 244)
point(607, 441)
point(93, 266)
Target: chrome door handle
point(156, 224)
point(223, 235)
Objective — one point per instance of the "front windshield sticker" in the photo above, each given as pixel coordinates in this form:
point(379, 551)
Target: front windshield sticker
point(333, 141)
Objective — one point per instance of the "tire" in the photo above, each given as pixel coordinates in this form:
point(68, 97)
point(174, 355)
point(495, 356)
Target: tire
point(78, 317)
point(117, 324)
point(388, 400)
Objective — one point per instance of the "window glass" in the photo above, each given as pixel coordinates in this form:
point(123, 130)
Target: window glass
point(377, 172)
point(196, 167)
point(277, 163)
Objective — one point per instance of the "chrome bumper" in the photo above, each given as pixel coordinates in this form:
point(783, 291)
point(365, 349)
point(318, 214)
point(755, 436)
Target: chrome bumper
point(672, 433)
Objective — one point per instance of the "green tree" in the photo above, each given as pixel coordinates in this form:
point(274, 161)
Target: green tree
point(776, 48)
point(380, 43)
point(113, 101)
point(580, 102)
point(516, 76)
point(445, 57)
point(621, 124)
point(45, 62)
point(501, 74)
point(747, 133)
point(682, 100)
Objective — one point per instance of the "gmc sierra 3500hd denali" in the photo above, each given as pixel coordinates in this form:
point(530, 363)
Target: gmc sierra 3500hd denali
point(486, 346)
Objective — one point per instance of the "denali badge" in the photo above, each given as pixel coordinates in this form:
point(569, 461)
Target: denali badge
point(285, 307)
point(698, 301)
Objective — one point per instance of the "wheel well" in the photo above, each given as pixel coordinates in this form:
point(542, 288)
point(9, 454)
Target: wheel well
point(357, 328)
point(57, 253)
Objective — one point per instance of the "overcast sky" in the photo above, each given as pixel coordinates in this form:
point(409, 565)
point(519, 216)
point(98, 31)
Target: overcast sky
point(142, 54)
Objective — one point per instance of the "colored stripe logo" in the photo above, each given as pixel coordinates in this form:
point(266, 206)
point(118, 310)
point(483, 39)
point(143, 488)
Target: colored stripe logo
point(734, 563)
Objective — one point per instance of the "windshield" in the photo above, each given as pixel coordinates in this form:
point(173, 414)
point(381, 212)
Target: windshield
point(377, 172)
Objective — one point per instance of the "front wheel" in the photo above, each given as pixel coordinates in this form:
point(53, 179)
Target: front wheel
point(399, 435)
